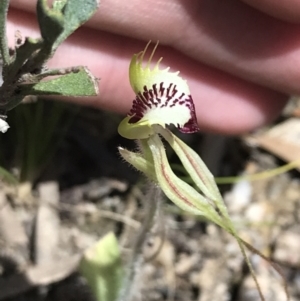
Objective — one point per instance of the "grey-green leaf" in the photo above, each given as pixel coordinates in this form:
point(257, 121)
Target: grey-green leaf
point(79, 83)
point(63, 18)
point(59, 4)
point(76, 12)
point(51, 21)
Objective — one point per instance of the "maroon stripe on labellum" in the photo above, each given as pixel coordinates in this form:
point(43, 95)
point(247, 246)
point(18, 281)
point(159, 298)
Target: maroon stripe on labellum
point(161, 88)
point(192, 125)
point(160, 96)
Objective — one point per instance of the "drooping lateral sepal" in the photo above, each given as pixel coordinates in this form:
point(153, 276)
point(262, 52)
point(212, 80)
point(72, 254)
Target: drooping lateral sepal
point(197, 170)
point(179, 192)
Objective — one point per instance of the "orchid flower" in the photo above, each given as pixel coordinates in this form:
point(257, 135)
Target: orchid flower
point(163, 98)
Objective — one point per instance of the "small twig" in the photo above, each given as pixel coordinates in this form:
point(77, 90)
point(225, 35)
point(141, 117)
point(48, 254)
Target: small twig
point(103, 213)
point(120, 218)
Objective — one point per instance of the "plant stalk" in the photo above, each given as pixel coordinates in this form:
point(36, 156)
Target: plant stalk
point(152, 198)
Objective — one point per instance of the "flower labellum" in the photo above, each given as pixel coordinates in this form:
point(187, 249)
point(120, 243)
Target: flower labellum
point(162, 97)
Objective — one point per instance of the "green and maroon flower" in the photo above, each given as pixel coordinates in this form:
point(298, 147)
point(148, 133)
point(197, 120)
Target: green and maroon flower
point(162, 97)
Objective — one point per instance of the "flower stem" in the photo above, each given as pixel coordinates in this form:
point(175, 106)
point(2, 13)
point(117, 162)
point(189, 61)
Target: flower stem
point(152, 200)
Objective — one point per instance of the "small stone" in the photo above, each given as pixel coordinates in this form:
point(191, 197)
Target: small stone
point(287, 248)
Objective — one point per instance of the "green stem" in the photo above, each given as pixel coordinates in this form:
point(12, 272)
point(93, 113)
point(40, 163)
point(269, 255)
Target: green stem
point(152, 199)
point(3, 38)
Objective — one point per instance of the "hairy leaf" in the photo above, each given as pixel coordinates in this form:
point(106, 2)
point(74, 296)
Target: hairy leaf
point(78, 83)
point(51, 21)
point(63, 18)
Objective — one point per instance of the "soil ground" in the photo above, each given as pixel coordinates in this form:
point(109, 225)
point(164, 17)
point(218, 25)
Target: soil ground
point(86, 190)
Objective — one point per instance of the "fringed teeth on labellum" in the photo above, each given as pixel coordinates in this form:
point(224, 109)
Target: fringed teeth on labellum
point(162, 97)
